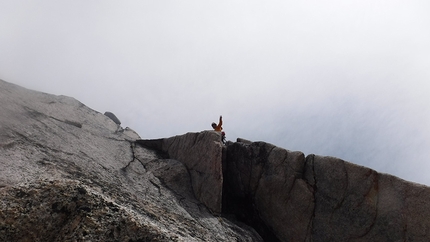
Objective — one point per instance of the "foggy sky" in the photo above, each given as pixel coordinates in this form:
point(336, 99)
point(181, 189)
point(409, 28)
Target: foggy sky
point(348, 79)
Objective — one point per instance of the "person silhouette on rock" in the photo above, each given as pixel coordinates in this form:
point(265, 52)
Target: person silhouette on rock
point(218, 128)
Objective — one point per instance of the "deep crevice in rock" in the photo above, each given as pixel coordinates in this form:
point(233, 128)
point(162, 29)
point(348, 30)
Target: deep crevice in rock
point(242, 206)
point(315, 190)
point(133, 154)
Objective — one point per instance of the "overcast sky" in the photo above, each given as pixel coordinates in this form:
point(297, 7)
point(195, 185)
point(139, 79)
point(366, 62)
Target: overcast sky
point(349, 79)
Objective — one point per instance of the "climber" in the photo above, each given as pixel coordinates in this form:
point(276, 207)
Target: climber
point(218, 128)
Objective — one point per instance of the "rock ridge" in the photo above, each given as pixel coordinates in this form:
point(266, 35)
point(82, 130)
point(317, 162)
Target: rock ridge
point(320, 198)
point(68, 172)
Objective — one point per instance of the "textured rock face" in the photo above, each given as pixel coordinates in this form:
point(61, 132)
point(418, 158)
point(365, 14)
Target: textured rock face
point(355, 203)
point(66, 211)
point(265, 185)
point(202, 154)
point(68, 174)
point(289, 198)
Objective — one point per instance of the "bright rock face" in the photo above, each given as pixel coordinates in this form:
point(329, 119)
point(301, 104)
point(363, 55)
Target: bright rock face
point(69, 173)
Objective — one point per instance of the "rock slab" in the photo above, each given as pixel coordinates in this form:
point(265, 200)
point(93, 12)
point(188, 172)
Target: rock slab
point(202, 154)
point(355, 203)
point(287, 197)
point(265, 184)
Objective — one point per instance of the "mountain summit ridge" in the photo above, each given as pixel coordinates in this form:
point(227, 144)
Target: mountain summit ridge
point(71, 173)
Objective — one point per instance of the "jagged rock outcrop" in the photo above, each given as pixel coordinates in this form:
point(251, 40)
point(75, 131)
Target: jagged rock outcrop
point(67, 173)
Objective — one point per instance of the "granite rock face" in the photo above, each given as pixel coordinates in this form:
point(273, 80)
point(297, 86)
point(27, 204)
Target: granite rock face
point(67, 173)
point(355, 203)
point(265, 185)
point(202, 154)
point(290, 198)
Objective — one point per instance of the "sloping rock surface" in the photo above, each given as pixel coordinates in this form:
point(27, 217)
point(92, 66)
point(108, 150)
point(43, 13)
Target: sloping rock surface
point(67, 173)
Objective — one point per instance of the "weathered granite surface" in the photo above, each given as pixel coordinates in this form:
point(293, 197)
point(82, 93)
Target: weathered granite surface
point(290, 198)
point(67, 173)
point(355, 203)
point(265, 185)
point(202, 154)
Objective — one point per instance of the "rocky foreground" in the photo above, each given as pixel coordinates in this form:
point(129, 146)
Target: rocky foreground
point(69, 173)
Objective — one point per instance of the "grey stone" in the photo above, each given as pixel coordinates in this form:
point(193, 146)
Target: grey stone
point(243, 141)
point(345, 198)
point(286, 197)
point(355, 203)
point(269, 180)
point(66, 174)
point(113, 117)
point(202, 155)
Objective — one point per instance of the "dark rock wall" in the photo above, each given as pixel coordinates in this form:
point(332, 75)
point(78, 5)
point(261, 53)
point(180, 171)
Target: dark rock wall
point(283, 195)
point(264, 185)
point(355, 203)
